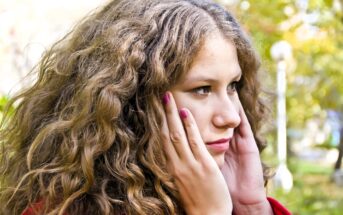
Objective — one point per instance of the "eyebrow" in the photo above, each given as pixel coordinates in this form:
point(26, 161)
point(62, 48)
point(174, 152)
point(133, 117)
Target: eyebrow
point(205, 78)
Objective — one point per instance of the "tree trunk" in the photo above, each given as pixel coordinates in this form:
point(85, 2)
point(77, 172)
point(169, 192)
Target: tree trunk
point(340, 151)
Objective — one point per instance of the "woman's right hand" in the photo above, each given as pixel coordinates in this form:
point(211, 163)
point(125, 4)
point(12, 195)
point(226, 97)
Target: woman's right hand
point(198, 178)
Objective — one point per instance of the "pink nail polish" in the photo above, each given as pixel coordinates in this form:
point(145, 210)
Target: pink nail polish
point(166, 98)
point(183, 114)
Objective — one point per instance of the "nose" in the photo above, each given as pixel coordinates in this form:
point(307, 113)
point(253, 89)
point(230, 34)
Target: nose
point(226, 114)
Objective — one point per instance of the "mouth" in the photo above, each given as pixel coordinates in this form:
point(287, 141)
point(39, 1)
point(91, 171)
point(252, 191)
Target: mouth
point(220, 145)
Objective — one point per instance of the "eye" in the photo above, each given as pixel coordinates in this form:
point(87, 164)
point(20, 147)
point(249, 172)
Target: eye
point(233, 87)
point(204, 90)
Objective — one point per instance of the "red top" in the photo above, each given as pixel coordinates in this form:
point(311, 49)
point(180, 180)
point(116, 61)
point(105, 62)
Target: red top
point(278, 209)
point(34, 208)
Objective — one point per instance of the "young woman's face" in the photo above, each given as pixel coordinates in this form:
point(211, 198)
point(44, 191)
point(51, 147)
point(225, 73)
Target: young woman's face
point(208, 90)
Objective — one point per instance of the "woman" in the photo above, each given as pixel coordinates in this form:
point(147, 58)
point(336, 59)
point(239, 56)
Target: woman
point(146, 107)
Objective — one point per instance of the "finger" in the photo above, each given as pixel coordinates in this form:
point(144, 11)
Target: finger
point(176, 130)
point(244, 127)
point(195, 141)
point(244, 137)
point(168, 147)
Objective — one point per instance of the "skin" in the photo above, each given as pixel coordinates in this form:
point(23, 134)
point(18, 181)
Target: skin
point(208, 90)
point(202, 107)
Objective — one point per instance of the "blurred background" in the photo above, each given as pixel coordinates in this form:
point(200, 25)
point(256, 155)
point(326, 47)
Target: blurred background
point(301, 47)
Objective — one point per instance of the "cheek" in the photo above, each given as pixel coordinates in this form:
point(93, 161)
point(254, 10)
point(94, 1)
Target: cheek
point(236, 102)
point(200, 112)
point(184, 101)
point(202, 116)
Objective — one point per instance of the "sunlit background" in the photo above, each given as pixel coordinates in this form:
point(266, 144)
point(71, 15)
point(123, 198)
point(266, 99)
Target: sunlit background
point(313, 66)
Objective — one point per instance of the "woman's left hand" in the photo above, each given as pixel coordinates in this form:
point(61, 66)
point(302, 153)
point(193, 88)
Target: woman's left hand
point(243, 172)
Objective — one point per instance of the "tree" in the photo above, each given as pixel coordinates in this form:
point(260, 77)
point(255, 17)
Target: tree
point(314, 28)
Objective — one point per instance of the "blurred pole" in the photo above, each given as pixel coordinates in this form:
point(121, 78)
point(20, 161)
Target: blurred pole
point(281, 111)
point(280, 52)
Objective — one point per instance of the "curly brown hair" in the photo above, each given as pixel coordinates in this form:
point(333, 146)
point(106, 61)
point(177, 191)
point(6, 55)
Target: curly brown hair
point(84, 139)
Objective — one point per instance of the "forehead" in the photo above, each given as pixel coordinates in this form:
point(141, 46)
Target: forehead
point(217, 58)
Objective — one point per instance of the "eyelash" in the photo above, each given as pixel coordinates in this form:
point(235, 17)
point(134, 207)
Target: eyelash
point(204, 88)
point(232, 88)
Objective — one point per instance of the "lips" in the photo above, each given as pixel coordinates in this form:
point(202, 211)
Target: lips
point(220, 145)
point(220, 141)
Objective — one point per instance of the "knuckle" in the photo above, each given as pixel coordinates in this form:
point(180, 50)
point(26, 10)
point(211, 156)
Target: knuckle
point(188, 170)
point(178, 171)
point(185, 171)
point(193, 142)
point(175, 136)
point(189, 126)
point(164, 137)
point(192, 165)
point(209, 167)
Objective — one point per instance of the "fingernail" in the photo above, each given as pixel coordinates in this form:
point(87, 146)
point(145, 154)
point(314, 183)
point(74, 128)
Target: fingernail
point(183, 114)
point(166, 98)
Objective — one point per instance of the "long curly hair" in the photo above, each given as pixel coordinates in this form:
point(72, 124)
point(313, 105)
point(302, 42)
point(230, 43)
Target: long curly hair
point(84, 138)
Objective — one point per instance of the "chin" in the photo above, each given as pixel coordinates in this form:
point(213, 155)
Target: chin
point(219, 160)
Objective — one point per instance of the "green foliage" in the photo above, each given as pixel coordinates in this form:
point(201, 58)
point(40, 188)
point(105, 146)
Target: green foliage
point(313, 191)
point(3, 102)
point(315, 77)
point(314, 84)
point(3, 105)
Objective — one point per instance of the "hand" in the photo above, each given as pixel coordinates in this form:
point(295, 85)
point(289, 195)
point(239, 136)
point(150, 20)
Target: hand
point(198, 178)
point(243, 172)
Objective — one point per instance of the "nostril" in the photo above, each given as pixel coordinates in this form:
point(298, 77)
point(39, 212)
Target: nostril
point(227, 119)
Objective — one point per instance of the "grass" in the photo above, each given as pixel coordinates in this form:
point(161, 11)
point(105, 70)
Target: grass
point(313, 191)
